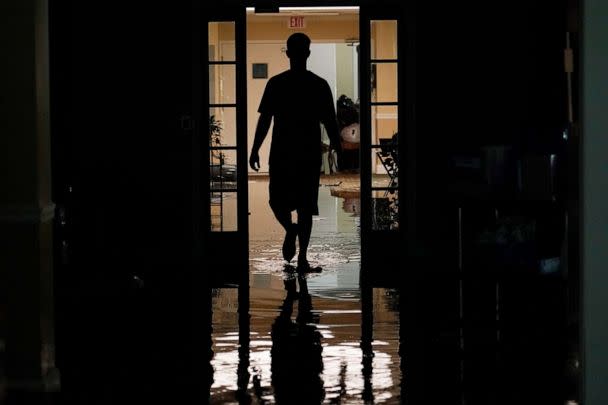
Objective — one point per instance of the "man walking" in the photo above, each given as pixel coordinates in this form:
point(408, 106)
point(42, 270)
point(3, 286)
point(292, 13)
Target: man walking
point(298, 101)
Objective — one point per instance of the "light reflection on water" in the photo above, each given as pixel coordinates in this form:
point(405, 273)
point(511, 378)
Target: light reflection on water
point(322, 335)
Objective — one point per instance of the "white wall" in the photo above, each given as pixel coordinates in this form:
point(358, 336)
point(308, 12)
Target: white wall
point(344, 70)
point(322, 62)
point(595, 200)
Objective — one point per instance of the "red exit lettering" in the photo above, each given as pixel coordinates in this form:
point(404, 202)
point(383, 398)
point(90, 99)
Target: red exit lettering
point(296, 22)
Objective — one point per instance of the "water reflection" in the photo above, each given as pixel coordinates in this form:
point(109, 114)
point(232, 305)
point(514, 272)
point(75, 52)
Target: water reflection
point(313, 339)
point(327, 339)
point(304, 348)
point(296, 354)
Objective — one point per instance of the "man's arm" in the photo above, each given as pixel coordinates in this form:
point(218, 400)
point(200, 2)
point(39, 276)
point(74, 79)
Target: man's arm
point(330, 121)
point(260, 134)
point(331, 126)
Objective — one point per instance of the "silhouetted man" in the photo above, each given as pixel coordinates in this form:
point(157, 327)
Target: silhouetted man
point(299, 101)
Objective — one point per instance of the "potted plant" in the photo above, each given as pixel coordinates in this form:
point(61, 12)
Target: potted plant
point(221, 170)
point(215, 138)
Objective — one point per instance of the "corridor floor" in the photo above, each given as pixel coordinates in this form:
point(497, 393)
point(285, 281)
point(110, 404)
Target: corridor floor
point(474, 337)
point(306, 341)
point(445, 338)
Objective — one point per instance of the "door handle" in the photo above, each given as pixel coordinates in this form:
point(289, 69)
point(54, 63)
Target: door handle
point(186, 122)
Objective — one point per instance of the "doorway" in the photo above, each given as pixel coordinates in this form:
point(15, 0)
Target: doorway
point(328, 314)
point(334, 49)
point(364, 79)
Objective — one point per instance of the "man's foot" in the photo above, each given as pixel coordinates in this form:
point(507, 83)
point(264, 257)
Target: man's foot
point(289, 269)
point(304, 267)
point(289, 244)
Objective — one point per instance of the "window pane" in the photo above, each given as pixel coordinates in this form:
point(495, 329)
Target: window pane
point(384, 123)
point(222, 84)
point(384, 39)
point(383, 177)
point(385, 126)
point(222, 126)
point(222, 169)
point(221, 41)
point(384, 82)
point(223, 212)
point(385, 210)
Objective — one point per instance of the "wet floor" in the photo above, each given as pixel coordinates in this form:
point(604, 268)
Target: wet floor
point(444, 338)
point(310, 337)
point(476, 337)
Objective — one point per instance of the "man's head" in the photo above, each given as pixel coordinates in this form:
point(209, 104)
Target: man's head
point(298, 47)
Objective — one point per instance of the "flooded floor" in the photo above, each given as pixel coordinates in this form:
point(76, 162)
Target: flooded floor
point(445, 338)
point(475, 337)
point(310, 338)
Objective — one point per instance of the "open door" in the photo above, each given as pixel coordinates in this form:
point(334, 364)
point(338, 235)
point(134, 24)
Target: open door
point(224, 162)
point(383, 138)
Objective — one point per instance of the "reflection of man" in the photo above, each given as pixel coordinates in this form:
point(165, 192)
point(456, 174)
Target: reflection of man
point(299, 101)
point(296, 353)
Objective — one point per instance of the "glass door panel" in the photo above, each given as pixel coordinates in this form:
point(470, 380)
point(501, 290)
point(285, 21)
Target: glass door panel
point(384, 83)
point(383, 121)
point(222, 83)
point(380, 84)
point(223, 150)
point(222, 34)
point(383, 39)
point(225, 119)
point(226, 149)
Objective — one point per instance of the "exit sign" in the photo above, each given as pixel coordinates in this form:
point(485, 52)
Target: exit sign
point(296, 22)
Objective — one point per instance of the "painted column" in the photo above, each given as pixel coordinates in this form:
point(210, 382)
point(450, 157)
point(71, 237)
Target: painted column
point(595, 200)
point(26, 209)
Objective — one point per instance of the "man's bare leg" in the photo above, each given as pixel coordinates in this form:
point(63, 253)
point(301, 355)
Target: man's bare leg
point(304, 231)
point(289, 243)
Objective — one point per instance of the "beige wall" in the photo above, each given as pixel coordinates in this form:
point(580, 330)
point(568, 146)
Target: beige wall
point(318, 28)
point(271, 53)
point(384, 46)
point(384, 119)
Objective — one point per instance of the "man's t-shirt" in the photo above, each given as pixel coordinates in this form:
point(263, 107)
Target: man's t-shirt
point(298, 102)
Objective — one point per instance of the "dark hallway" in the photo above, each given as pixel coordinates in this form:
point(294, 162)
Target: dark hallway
point(473, 337)
point(477, 300)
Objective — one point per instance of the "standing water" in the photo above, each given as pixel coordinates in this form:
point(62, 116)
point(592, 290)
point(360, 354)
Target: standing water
point(313, 339)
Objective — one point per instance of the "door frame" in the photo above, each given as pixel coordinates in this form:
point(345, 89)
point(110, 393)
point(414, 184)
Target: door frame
point(221, 265)
point(371, 251)
point(391, 248)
